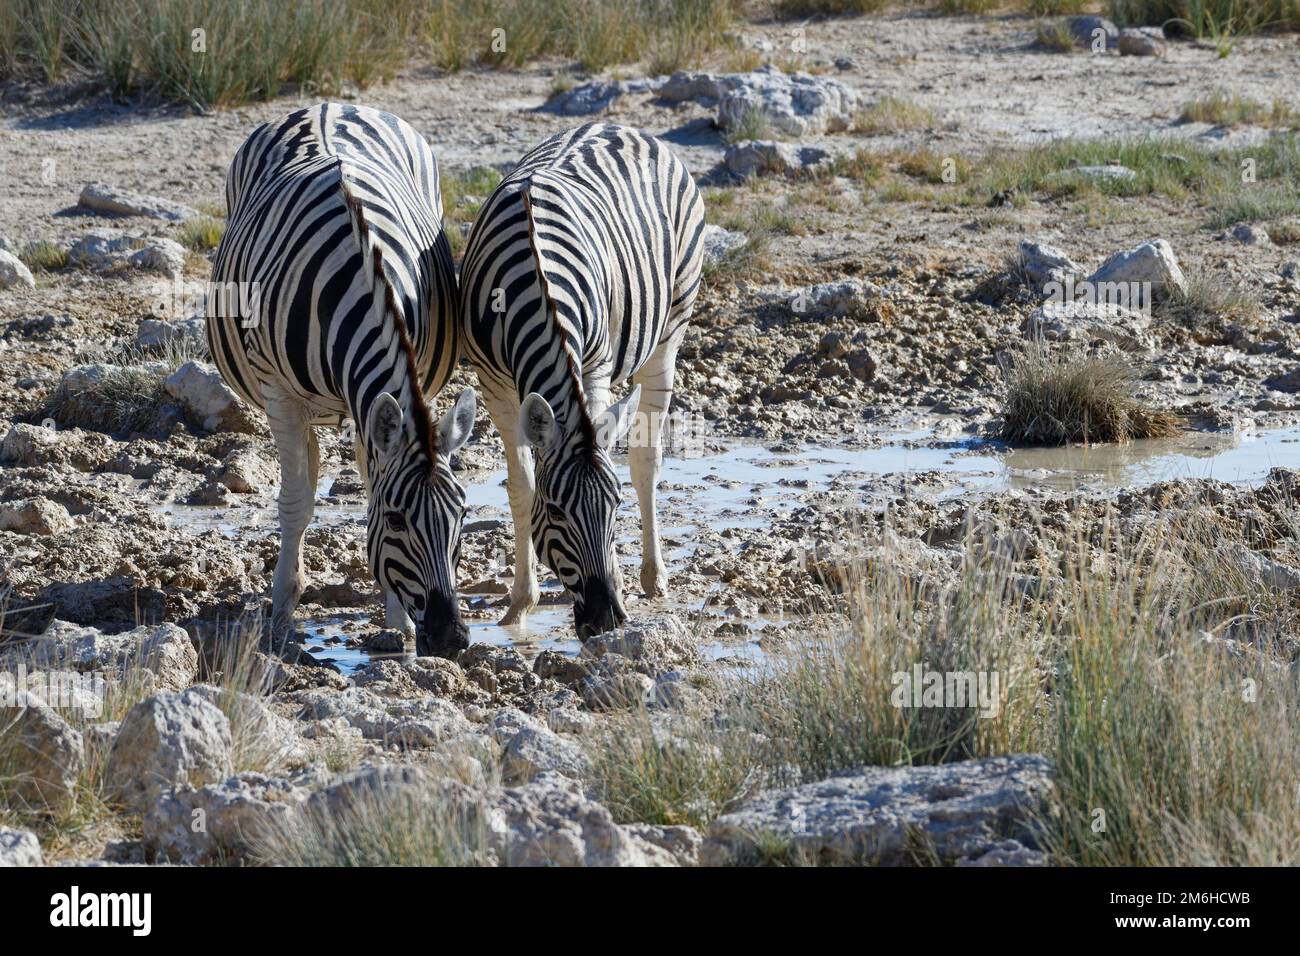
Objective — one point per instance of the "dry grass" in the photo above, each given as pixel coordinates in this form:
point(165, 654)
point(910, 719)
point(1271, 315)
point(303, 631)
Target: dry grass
point(1233, 109)
point(251, 50)
point(892, 114)
point(1053, 397)
point(44, 256)
point(1210, 301)
point(127, 397)
point(1099, 642)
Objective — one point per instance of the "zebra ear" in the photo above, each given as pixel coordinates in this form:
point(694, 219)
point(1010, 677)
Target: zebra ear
point(536, 421)
point(456, 425)
point(385, 431)
point(614, 422)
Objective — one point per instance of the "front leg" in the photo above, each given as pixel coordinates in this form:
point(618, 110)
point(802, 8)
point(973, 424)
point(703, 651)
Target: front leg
point(645, 452)
point(395, 615)
point(299, 454)
point(524, 592)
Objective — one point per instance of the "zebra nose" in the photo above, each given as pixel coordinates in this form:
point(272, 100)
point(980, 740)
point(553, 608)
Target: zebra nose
point(599, 611)
point(442, 632)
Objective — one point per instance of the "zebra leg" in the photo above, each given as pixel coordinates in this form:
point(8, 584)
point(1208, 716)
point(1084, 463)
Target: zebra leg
point(645, 451)
point(295, 443)
point(395, 615)
point(524, 593)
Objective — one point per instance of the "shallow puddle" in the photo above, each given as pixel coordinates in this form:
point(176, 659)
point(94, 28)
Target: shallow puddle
point(751, 486)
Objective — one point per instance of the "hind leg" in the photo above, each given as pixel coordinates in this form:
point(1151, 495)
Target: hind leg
point(295, 443)
point(395, 615)
point(645, 452)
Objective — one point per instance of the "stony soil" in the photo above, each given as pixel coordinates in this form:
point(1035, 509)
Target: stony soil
point(176, 522)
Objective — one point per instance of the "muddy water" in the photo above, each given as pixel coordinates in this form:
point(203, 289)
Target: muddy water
point(750, 486)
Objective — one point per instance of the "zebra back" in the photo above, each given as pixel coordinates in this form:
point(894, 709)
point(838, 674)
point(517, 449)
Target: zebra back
point(321, 204)
point(585, 258)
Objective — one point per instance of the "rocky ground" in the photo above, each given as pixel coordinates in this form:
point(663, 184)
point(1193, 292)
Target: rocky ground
point(850, 368)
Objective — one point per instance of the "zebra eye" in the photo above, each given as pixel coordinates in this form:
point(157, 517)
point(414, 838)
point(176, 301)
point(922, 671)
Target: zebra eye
point(555, 511)
point(395, 520)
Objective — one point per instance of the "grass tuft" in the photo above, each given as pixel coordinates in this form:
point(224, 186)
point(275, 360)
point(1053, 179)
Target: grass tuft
point(1054, 398)
point(892, 114)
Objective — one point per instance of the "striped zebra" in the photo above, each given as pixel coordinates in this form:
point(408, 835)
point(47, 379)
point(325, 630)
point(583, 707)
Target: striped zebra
point(348, 311)
point(580, 274)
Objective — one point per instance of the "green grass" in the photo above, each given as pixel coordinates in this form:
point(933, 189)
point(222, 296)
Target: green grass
point(596, 33)
point(1055, 35)
point(1054, 397)
point(252, 50)
point(751, 125)
point(463, 194)
point(44, 256)
point(831, 8)
point(1216, 20)
point(201, 233)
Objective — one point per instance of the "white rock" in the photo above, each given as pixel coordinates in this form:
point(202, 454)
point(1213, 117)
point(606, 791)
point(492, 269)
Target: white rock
point(19, 848)
point(42, 754)
point(791, 104)
point(885, 815)
point(26, 444)
point(169, 653)
point(549, 822)
point(14, 272)
point(160, 333)
point(160, 255)
point(535, 750)
point(236, 814)
point(1042, 264)
point(1083, 321)
point(167, 740)
point(1152, 262)
point(39, 516)
point(202, 390)
point(765, 157)
point(718, 242)
point(122, 202)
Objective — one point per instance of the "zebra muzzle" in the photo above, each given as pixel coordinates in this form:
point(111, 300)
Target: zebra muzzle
point(600, 610)
point(442, 633)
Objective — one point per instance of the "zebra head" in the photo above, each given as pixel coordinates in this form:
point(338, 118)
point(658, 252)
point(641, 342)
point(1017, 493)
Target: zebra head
point(414, 516)
point(574, 502)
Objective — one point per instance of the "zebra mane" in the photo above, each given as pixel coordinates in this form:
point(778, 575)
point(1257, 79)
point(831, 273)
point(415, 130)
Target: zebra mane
point(373, 261)
point(552, 315)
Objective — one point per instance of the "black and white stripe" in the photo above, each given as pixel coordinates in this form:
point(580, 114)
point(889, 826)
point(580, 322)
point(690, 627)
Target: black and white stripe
point(335, 250)
point(580, 274)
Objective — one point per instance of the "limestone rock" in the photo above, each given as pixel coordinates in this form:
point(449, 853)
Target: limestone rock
point(893, 815)
point(167, 740)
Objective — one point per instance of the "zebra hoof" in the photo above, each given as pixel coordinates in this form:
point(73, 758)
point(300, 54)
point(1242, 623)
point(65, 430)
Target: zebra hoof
point(654, 583)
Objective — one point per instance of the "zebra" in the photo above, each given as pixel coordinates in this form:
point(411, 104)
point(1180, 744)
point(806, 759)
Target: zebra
point(580, 273)
point(348, 310)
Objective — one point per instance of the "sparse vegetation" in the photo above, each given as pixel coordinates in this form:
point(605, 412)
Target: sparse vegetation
point(1106, 664)
point(463, 194)
point(1233, 109)
point(45, 256)
point(248, 50)
point(405, 826)
point(1055, 35)
point(1210, 302)
point(201, 233)
point(1053, 397)
point(122, 396)
point(892, 114)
